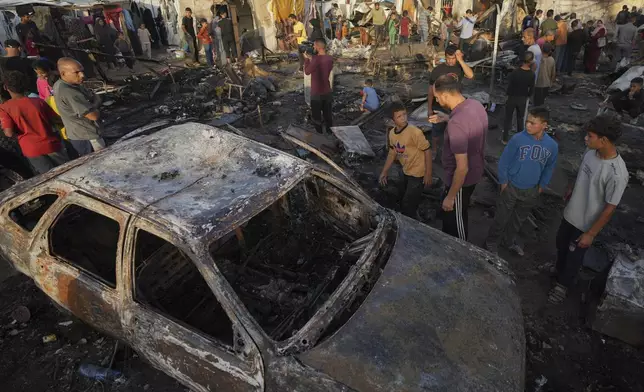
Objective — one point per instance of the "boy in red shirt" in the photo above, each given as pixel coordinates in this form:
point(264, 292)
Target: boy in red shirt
point(405, 23)
point(32, 121)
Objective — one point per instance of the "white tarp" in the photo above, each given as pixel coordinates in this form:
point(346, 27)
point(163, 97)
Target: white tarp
point(623, 83)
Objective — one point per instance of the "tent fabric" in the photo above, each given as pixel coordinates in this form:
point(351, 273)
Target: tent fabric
point(283, 8)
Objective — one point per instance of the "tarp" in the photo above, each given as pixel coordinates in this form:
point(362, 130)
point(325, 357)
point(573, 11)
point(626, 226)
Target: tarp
point(283, 8)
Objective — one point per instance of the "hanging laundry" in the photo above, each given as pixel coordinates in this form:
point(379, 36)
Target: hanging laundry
point(129, 24)
point(148, 20)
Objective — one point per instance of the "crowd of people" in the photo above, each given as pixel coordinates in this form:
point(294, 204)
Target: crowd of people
point(217, 38)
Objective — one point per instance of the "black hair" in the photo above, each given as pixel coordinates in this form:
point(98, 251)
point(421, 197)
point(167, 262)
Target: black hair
point(430, 8)
point(550, 13)
point(368, 82)
point(16, 82)
point(638, 80)
point(606, 125)
point(573, 15)
point(45, 65)
point(335, 5)
point(625, 7)
point(396, 107)
point(547, 48)
point(575, 23)
point(539, 12)
point(468, 11)
point(405, 13)
point(316, 22)
point(11, 43)
point(447, 83)
point(528, 57)
point(188, 9)
point(292, 16)
point(540, 112)
point(558, 18)
point(450, 50)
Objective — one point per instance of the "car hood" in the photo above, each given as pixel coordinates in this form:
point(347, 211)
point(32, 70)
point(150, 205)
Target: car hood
point(441, 317)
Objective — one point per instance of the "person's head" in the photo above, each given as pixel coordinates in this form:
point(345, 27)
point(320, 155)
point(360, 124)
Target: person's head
point(468, 12)
point(377, 5)
point(223, 14)
point(405, 13)
point(539, 13)
point(537, 122)
point(549, 36)
point(188, 12)
point(547, 49)
point(335, 5)
point(292, 18)
point(320, 46)
point(575, 23)
point(142, 26)
point(573, 16)
point(12, 47)
point(599, 22)
point(70, 70)
point(624, 7)
point(528, 58)
point(447, 91)
point(315, 23)
point(368, 83)
point(558, 18)
point(100, 21)
point(550, 13)
point(43, 68)
point(203, 22)
point(590, 23)
point(636, 85)
point(602, 131)
point(450, 55)
point(528, 36)
point(430, 9)
point(26, 18)
point(15, 82)
point(398, 114)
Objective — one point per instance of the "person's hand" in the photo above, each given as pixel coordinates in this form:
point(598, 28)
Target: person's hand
point(459, 55)
point(427, 179)
point(438, 117)
point(503, 186)
point(307, 56)
point(585, 240)
point(383, 178)
point(540, 189)
point(448, 204)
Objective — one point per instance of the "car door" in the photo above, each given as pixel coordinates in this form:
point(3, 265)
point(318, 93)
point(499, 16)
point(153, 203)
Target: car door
point(76, 259)
point(176, 321)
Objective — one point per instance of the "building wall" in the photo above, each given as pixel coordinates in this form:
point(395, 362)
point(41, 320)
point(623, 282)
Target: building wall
point(606, 10)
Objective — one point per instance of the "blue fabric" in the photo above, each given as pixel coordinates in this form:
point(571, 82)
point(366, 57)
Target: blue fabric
point(527, 162)
point(207, 48)
point(129, 23)
point(372, 103)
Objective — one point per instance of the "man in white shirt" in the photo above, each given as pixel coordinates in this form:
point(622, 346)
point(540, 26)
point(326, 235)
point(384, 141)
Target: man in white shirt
point(599, 187)
point(466, 24)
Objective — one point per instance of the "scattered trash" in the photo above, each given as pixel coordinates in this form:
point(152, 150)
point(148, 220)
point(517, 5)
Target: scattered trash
point(13, 332)
point(578, 106)
point(540, 382)
point(98, 373)
point(65, 323)
point(108, 103)
point(49, 338)
point(353, 139)
point(152, 154)
point(82, 341)
point(21, 314)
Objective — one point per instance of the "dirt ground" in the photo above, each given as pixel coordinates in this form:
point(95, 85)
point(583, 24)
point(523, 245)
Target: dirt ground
point(563, 353)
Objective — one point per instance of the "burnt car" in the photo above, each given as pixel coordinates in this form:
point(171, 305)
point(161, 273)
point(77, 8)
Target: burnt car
point(233, 266)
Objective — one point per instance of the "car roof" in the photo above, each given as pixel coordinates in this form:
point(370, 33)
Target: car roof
point(195, 179)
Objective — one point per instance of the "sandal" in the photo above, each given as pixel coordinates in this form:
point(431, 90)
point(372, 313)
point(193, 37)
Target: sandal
point(558, 294)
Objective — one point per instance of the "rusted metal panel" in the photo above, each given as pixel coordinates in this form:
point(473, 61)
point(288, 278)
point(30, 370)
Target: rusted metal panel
point(463, 314)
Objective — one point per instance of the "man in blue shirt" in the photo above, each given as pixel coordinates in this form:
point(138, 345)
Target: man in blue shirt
point(525, 169)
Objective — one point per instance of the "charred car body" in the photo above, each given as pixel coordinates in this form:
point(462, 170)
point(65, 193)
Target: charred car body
point(233, 266)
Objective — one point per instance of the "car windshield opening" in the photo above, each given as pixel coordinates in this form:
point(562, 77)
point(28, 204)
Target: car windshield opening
point(286, 261)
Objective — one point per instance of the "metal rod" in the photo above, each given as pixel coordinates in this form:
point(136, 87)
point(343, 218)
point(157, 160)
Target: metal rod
point(496, 44)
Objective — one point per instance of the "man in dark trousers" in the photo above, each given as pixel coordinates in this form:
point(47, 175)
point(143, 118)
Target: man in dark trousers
point(319, 67)
point(188, 27)
point(520, 88)
point(463, 152)
point(228, 36)
point(576, 41)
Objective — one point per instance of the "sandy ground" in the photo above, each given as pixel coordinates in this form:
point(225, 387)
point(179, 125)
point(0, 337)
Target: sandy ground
point(563, 353)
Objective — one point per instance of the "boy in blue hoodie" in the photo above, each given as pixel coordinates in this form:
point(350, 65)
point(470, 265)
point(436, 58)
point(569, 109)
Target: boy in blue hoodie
point(525, 169)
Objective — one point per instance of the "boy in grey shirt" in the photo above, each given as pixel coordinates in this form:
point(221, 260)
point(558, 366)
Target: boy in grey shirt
point(599, 187)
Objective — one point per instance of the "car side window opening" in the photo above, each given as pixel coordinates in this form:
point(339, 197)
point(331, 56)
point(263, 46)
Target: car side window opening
point(166, 280)
point(285, 262)
point(87, 240)
point(28, 214)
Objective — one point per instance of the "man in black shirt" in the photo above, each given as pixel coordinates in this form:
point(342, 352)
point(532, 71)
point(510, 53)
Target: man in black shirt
point(622, 16)
point(576, 41)
point(13, 62)
point(455, 65)
point(227, 35)
point(188, 27)
point(520, 88)
point(25, 27)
